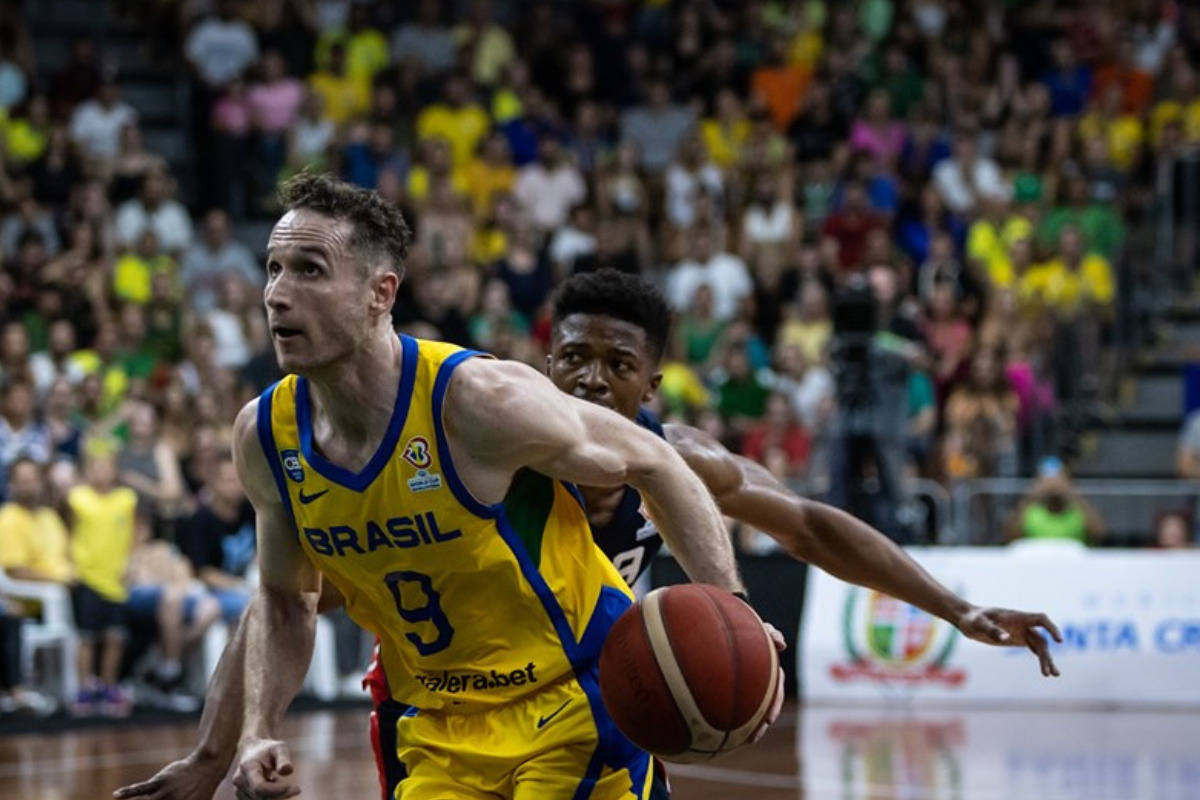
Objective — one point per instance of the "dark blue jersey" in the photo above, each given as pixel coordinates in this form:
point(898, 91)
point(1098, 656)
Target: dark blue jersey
point(629, 539)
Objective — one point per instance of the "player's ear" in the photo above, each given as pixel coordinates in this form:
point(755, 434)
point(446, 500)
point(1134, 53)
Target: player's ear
point(652, 387)
point(384, 286)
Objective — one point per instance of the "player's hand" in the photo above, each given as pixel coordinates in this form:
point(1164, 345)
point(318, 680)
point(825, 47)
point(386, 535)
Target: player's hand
point(264, 771)
point(1008, 628)
point(189, 778)
point(777, 703)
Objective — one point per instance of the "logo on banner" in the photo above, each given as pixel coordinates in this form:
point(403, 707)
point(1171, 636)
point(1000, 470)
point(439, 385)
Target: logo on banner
point(889, 641)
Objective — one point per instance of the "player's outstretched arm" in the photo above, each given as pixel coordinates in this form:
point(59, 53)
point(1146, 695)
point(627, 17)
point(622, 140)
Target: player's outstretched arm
point(846, 547)
point(506, 417)
point(279, 637)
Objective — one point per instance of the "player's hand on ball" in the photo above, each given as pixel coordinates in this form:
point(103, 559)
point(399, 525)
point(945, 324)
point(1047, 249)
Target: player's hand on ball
point(264, 771)
point(1008, 628)
point(776, 704)
point(189, 778)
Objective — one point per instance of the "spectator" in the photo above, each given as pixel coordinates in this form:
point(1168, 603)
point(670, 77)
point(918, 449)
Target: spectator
point(967, 177)
point(274, 104)
point(34, 545)
point(77, 81)
point(156, 211)
point(21, 434)
point(778, 441)
point(425, 40)
point(344, 96)
point(876, 133)
point(724, 272)
point(741, 395)
point(574, 241)
point(547, 189)
point(60, 415)
point(1069, 82)
point(366, 158)
point(690, 176)
point(459, 120)
point(218, 539)
point(850, 225)
point(725, 133)
point(1053, 509)
point(981, 422)
point(104, 532)
point(310, 138)
point(489, 172)
point(366, 47)
point(221, 48)
point(147, 465)
point(128, 171)
point(1173, 531)
point(488, 46)
point(238, 324)
point(1187, 452)
point(55, 361)
point(30, 217)
point(212, 257)
point(135, 270)
point(657, 127)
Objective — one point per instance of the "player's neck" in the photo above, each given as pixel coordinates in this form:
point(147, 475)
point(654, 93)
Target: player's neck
point(354, 398)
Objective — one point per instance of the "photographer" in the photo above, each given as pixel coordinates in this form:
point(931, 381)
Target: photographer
point(1054, 510)
point(875, 346)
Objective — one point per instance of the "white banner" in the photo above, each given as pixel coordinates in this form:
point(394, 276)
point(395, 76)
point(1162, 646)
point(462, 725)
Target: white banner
point(1131, 622)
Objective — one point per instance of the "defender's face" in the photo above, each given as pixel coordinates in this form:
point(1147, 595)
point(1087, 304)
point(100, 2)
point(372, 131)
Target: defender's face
point(317, 298)
point(604, 361)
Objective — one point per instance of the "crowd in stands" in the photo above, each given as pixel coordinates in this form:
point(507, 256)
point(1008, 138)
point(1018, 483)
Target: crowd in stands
point(950, 184)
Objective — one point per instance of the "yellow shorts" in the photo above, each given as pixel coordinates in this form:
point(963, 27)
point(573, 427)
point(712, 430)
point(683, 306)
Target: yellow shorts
point(557, 744)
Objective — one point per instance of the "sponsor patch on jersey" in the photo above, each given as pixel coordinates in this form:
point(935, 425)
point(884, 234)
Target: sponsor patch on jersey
point(416, 452)
point(424, 480)
point(291, 464)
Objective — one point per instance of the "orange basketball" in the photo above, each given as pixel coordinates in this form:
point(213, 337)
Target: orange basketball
point(688, 673)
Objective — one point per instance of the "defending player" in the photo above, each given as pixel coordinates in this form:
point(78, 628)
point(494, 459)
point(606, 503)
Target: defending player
point(608, 336)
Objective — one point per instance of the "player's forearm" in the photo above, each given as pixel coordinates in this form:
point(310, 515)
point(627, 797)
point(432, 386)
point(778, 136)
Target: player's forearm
point(221, 722)
point(691, 524)
point(279, 644)
point(845, 547)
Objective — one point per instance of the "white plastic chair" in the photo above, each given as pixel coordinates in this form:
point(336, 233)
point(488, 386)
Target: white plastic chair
point(56, 629)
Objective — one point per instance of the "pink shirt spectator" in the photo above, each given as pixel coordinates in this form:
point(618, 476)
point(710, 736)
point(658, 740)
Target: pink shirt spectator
point(231, 115)
point(274, 107)
point(885, 144)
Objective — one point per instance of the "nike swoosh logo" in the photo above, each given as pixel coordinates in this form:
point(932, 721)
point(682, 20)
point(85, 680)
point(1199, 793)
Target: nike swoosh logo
point(305, 499)
point(544, 721)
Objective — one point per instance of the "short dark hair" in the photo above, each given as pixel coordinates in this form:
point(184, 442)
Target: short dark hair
point(380, 229)
point(619, 295)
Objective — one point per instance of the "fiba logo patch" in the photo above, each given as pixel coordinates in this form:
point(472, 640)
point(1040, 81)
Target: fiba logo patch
point(416, 452)
point(291, 465)
point(891, 642)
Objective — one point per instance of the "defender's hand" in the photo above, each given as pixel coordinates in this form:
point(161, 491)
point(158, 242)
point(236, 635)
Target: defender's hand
point(1008, 628)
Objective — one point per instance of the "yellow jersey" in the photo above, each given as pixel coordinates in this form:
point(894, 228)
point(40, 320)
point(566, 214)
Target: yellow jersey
point(105, 527)
point(475, 605)
point(35, 538)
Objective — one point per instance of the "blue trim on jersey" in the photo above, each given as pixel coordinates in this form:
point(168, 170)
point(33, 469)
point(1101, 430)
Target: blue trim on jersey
point(266, 438)
point(457, 487)
point(574, 492)
point(359, 481)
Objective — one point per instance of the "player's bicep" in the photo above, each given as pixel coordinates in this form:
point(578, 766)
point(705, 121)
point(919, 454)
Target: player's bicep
point(282, 562)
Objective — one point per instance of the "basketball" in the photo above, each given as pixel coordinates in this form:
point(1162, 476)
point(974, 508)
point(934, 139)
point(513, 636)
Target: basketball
point(688, 673)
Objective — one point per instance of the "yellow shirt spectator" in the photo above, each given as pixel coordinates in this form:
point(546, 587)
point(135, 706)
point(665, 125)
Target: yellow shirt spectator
point(345, 96)
point(462, 127)
point(493, 51)
point(366, 51)
point(484, 180)
point(1168, 111)
point(988, 245)
point(1056, 285)
point(724, 143)
point(34, 539)
point(26, 143)
point(133, 276)
point(1123, 135)
point(488, 245)
point(419, 179)
point(105, 525)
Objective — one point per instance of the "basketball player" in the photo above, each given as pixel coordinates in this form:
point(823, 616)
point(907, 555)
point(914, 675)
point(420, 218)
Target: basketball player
point(609, 334)
point(430, 487)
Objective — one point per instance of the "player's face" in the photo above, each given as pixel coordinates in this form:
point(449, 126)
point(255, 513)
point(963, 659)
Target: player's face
point(604, 361)
point(317, 296)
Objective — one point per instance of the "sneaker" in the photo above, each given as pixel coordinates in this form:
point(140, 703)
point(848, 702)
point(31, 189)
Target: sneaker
point(86, 702)
point(31, 704)
point(115, 702)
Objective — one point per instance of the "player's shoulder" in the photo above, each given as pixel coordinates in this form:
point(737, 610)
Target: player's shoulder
point(250, 458)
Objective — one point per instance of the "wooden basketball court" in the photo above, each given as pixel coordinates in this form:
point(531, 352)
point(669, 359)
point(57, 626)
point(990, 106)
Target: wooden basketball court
point(814, 753)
